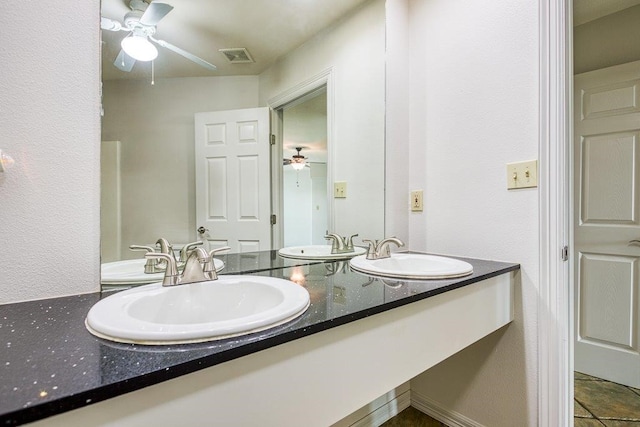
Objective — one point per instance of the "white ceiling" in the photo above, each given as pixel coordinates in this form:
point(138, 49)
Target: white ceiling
point(267, 28)
point(588, 10)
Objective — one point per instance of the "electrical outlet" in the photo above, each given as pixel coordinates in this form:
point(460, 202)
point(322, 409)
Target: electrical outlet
point(522, 174)
point(339, 189)
point(416, 201)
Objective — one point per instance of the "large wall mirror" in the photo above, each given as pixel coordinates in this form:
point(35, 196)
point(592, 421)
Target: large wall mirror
point(149, 132)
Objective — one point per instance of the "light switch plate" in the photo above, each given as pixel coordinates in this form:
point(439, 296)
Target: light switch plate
point(340, 189)
point(522, 174)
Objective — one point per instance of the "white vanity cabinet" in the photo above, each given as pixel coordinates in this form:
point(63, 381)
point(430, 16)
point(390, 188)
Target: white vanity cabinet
point(318, 379)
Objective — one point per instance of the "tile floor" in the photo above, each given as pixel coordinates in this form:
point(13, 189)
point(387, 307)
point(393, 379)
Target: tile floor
point(602, 403)
point(411, 417)
point(597, 403)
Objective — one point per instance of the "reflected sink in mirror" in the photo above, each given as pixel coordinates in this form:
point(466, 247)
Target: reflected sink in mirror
point(412, 266)
point(197, 312)
point(131, 272)
point(318, 252)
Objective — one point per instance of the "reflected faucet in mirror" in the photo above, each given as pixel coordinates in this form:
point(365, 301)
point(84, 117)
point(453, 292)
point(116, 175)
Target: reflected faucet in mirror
point(151, 266)
point(339, 244)
point(198, 267)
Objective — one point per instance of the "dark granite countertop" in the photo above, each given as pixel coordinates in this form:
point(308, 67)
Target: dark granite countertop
point(51, 364)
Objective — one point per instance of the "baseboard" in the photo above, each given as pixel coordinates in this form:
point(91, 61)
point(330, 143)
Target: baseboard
point(436, 411)
point(386, 411)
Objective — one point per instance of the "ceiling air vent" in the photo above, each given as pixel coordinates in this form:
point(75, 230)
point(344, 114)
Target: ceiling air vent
point(237, 55)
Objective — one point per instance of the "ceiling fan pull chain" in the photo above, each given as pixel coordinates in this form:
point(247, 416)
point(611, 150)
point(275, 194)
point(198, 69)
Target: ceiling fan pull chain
point(153, 73)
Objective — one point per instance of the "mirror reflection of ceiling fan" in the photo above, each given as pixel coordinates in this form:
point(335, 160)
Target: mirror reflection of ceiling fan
point(141, 24)
point(297, 161)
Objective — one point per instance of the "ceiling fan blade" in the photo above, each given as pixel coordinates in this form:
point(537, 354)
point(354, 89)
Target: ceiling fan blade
point(154, 13)
point(188, 55)
point(124, 62)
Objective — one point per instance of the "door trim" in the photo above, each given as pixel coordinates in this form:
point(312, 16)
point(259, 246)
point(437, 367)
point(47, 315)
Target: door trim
point(555, 308)
point(277, 102)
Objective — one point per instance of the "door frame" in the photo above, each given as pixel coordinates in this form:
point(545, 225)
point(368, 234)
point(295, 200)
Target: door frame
point(555, 304)
point(323, 79)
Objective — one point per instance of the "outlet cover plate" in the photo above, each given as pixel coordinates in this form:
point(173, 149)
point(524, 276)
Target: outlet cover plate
point(416, 201)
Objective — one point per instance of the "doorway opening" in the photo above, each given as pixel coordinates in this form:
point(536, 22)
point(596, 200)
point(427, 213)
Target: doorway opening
point(604, 162)
point(305, 214)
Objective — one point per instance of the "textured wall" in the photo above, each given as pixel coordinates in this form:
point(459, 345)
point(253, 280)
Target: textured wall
point(50, 124)
point(474, 107)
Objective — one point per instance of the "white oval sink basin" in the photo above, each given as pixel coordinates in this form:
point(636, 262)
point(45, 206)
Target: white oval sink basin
point(412, 266)
point(318, 252)
point(197, 312)
point(132, 272)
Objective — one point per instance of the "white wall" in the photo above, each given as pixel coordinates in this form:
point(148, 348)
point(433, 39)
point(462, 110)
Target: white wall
point(396, 215)
point(297, 202)
point(474, 107)
point(50, 124)
point(355, 48)
point(155, 125)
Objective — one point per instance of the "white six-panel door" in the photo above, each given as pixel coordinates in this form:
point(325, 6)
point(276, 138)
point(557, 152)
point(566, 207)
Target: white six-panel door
point(233, 200)
point(606, 219)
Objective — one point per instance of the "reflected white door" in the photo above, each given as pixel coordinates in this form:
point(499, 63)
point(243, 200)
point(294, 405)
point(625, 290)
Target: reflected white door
point(233, 178)
point(607, 218)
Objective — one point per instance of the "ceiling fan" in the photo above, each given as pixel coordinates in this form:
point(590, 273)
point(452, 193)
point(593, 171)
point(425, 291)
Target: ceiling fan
point(297, 161)
point(141, 24)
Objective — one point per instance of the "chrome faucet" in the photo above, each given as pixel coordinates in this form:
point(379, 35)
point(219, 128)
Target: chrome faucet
point(193, 269)
point(184, 252)
point(151, 266)
point(339, 244)
point(381, 249)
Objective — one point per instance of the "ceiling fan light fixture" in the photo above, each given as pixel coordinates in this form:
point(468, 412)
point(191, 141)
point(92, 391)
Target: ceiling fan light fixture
point(139, 48)
point(298, 165)
point(298, 161)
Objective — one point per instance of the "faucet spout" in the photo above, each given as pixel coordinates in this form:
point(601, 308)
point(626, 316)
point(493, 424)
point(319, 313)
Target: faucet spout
point(184, 252)
point(381, 249)
point(193, 267)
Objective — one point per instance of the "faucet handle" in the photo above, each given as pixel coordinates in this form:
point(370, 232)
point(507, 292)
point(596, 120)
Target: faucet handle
point(216, 250)
point(372, 248)
point(210, 267)
point(151, 266)
point(171, 272)
point(184, 252)
point(349, 241)
point(141, 248)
